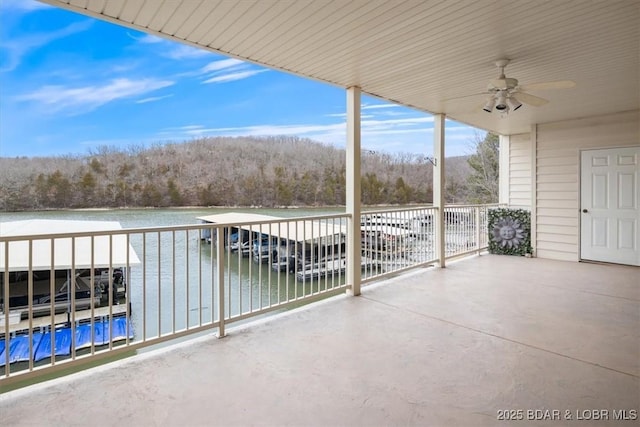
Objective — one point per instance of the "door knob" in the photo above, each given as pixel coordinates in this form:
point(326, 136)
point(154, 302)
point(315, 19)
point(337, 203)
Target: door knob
point(584, 211)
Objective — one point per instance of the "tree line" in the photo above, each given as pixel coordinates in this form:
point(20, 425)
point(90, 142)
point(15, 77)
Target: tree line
point(222, 171)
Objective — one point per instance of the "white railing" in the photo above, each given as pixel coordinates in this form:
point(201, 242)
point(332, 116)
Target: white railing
point(181, 284)
point(396, 240)
point(466, 229)
point(140, 287)
point(399, 239)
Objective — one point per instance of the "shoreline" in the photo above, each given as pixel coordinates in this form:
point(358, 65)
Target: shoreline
point(186, 208)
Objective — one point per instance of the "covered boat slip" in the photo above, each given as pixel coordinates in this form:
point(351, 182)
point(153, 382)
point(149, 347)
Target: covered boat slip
point(308, 248)
point(36, 268)
point(374, 227)
point(34, 251)
point(312, 232)
point(41, 291)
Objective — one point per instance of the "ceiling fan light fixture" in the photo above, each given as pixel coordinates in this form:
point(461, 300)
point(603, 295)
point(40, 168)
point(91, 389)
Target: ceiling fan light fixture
point(501, 104)
point(488, 107)
point(515, 104)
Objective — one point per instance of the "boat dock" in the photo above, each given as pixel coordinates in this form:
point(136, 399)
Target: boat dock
point(332, 267)
point(63, 318)
point(59, 342)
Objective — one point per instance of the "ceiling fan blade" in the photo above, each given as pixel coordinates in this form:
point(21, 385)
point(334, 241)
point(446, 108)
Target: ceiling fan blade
point(465, 96)
point(465, 109)
point(560, 84)
point(529, 99)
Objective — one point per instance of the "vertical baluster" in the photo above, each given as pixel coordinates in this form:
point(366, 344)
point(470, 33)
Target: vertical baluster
point(52, 301)
point(214, 289)
point(144, 286)
point(221, 296)
point(127, 290)
point(112, 294)
point(200, 302)
point(159, 285)
point(6, 308)
point(228, 252)
point(92, 282)
point(173, 281)
point(30, 304)
point(187, 281)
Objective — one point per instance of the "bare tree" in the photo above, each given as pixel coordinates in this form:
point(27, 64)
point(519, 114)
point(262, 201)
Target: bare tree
point(483, 183)
point(229, 171)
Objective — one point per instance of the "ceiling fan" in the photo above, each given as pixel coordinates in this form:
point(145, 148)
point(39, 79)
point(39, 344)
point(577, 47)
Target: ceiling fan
point(506, 94)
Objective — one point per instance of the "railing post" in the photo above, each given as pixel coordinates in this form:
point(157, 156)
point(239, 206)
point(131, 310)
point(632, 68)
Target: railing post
point(438, 186)
point(220, 267)
point(478, 225)
point(353, 199)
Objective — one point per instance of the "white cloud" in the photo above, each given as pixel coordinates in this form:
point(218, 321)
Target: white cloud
point(170, 49)
point(378, 106)
point(411, 121)
point(228, 70)
point(185, 128)
point(331, 132)
point(147, 38)
point(221, 65)
point(87, 98)
point(405, 135)
point(153, 99)
point(183, 51)
point(224, 78)
point(22, 5)
point(15, 49)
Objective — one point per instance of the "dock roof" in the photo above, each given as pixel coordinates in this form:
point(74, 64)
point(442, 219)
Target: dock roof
point(282, 228)
point(237, 217)
point(104, 252)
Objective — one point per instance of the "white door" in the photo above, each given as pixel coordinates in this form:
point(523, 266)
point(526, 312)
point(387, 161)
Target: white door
point(610, 215)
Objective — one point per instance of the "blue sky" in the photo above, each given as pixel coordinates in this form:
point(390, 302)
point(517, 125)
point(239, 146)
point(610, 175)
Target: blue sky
point(70, 84)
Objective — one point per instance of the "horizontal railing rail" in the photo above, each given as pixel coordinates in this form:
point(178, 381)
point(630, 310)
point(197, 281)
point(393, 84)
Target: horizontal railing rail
point(72, 298)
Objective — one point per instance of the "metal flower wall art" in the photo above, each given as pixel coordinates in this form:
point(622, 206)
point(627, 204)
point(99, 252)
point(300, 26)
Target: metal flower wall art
point(508, 232)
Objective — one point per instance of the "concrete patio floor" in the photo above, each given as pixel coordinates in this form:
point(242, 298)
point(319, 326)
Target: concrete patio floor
point(453, 346)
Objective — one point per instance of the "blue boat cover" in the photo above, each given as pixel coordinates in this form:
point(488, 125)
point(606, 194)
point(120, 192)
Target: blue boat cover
point(62, 344)
point(83, 336)
point(19, 348)
point(119, 329)
point(19, 344)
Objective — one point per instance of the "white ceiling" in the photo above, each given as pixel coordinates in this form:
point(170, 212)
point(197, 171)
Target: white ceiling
point(419, 53)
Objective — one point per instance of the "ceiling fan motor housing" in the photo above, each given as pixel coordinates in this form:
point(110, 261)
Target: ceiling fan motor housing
point(504, 83)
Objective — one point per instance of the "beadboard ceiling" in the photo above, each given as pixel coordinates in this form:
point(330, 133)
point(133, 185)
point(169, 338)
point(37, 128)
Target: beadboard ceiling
point(429, 55)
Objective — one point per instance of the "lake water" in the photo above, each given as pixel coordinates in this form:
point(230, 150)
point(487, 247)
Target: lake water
point(174, 287)
point(132, 218)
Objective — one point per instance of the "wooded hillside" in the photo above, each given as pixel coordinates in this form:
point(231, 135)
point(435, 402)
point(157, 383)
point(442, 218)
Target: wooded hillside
point(225, 171)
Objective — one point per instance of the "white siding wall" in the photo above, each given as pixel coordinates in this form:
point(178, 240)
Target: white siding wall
point(520, 171)
point(558, 176)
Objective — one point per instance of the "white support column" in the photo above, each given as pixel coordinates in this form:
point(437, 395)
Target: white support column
point(438, 185)
point(534, 189)
point(354, 272)
point(504, 169)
